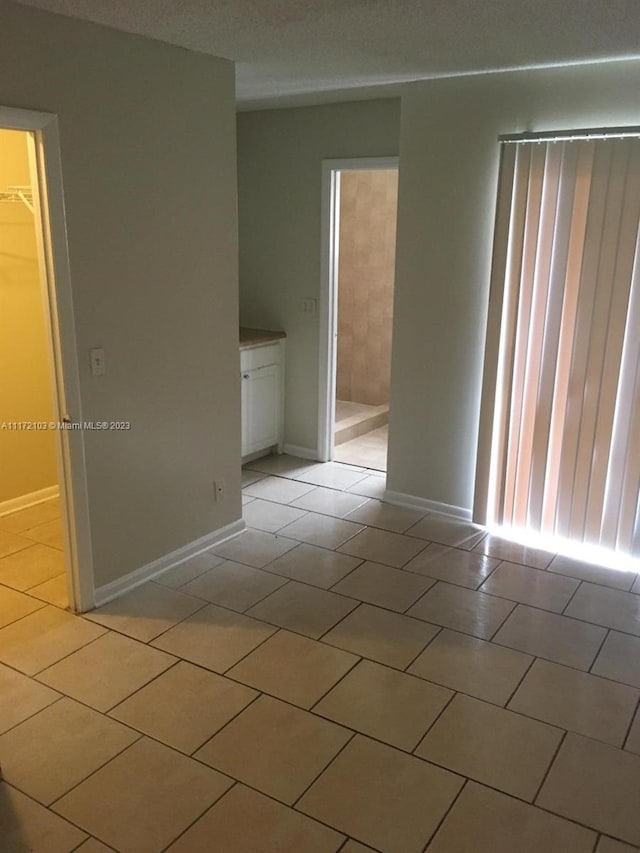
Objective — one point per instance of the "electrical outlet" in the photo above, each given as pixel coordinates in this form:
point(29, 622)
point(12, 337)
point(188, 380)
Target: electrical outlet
point(309, 307)
point(96, 359)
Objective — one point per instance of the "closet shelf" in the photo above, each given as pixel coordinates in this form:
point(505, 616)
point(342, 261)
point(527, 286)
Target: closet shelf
point(12, 195)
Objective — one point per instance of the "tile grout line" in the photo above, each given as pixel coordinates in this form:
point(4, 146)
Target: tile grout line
point(625, 740)
point(447, 813)
point(548, 770)
point(294, 804)
point(234, 783)
point(597, 654)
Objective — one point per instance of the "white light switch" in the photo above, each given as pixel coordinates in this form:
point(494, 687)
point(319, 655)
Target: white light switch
point(96, 357)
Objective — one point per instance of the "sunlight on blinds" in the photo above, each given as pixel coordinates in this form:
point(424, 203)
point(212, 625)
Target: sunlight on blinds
point(559, 447)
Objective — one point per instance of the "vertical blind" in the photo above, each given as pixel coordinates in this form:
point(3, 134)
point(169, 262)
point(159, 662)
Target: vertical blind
point(559, 448)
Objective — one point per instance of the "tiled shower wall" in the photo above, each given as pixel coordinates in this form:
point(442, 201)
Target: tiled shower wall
point(368, 201)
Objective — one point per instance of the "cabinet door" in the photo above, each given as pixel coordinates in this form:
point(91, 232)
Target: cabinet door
point(260, 408)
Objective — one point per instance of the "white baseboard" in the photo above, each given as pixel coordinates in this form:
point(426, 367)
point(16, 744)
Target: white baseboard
point(302, 452)
point(120, 586)
point(24, 501)
point(401, 499)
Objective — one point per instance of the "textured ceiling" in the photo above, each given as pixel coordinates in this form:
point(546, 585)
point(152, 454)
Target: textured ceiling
point(301, 51)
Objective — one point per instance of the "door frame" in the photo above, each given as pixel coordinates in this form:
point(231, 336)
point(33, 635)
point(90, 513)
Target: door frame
point(328, 329)
point(51, 236)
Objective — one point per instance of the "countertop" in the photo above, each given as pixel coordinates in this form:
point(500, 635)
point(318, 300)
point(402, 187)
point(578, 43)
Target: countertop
point(256, 337)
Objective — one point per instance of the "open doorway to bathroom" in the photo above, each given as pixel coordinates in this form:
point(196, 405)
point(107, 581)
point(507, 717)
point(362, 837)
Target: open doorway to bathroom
point(361, 198)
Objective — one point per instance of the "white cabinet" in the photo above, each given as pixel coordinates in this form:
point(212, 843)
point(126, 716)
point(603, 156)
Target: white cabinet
point(262, 378)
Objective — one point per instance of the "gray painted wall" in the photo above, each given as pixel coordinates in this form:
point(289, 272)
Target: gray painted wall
point(448, 178)
point(148, 155)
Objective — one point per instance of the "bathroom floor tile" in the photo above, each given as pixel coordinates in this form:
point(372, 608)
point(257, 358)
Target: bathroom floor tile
point(316, 566)
point(472, 666)
point(184, 706)
point(304, 609)
point(596, 785)
point(329, 502)
point(322, 530)
point(496, 747)
point(619, 659)
point(379, 584)
point(372, 486)
point(485, 821)
point(53, 591)
point(385, 704)
point(144, 798)
point(589, 572)
point(633, 740)
point(382, 796)
point(23, 519)
point(44, 637)
point(576, 701)
point(255, 548)
point(609, 607)
point(494, 546)
point(610, 845)
point(21, 698)
point(248, 477)
point(531, 586)
point(462, 610)
point(386, 516)
point(547, 635)
point(106, 671)
point(188, 570)
point(10, 543)
point(293, 668)
point(453, 565)
point(214, 637)
point(277, 489)
point(273, 828)
point(28, 826)
point(146, 612)
point(14, 605)
point(31, 566)
point(333, 474)
point(233, 585)
point(448, 531)
point(381, 546)
point(382, 636)
point(92, 845)
point(281, 464)
point(298, 748)
point(52, 751)
point(270, 516)
point(48, 532)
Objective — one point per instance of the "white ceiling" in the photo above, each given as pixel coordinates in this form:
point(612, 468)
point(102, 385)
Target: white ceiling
point(303, 51)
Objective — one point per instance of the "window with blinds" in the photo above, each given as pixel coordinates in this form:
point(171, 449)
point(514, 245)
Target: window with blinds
point(559, 444)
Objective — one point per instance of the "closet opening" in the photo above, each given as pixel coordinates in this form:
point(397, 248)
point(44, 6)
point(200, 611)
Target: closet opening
point(44, 539)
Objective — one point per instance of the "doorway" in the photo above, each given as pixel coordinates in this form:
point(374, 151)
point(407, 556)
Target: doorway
point(44, 541)
point(360, 206)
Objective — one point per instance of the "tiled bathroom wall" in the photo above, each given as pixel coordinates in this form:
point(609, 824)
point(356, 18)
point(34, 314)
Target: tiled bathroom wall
point(368, 201)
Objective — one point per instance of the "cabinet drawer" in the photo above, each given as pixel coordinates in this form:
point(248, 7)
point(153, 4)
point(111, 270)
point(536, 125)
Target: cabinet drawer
point(260, 356)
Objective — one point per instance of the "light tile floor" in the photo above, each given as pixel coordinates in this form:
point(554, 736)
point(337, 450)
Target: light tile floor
point(368, 450)
point(344, 676)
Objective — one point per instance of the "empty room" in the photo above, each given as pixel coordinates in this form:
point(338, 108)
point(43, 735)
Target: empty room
point(319, 418)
